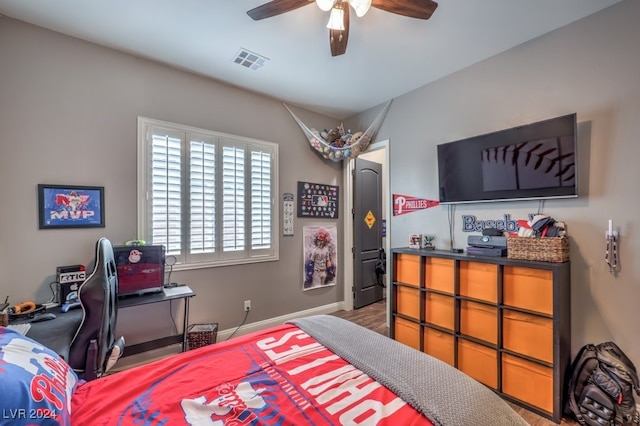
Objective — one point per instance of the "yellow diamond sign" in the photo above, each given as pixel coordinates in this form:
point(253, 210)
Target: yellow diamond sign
point(369, 219)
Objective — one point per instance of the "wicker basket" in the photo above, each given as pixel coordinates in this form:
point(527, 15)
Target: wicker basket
point(199, 335)
point(545, 249)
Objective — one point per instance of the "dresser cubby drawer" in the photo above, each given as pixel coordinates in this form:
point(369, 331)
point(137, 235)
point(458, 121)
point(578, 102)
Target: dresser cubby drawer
point(528, 382)
point(479, 281)
point(505, 322)
point(408, 301)
point(479, 362)
point(528, 288)
point(439, 310)
point(407, 332)
point(439, 274)
point(407, 269)
point(439, 345)
point(479, 321)
point(528, 335)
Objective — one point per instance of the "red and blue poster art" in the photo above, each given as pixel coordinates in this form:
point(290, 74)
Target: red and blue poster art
point(71, 206)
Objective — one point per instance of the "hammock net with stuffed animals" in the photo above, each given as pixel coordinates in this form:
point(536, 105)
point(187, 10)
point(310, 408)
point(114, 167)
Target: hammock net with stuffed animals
point(338, 144)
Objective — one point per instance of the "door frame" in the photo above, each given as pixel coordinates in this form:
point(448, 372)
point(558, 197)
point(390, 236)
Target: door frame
point(349, 167)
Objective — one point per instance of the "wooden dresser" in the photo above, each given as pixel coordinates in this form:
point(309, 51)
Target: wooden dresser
point(504, 322)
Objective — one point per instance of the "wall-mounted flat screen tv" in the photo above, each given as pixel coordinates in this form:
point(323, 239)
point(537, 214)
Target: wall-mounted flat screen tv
point(534, 161)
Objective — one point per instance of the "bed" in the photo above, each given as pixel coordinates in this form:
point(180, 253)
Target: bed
point(318, 370)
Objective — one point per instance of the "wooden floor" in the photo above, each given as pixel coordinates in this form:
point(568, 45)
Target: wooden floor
point(373, 317)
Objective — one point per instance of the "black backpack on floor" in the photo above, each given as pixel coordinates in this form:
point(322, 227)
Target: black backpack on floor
point(601, 386)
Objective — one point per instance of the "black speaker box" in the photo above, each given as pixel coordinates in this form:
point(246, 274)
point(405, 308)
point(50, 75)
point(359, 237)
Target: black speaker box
point(486, 241)
point(487, 251)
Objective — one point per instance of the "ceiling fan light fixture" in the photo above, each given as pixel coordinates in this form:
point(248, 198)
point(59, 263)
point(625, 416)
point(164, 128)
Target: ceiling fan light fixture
point(336, 19)
point(325, 5)
point(360, 6)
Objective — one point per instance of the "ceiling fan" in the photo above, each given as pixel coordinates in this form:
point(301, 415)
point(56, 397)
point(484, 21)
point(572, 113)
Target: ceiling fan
point(339, 19)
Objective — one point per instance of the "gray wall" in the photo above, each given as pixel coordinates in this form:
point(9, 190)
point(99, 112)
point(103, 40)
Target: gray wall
point(591, 67)
point(68, 112)
point(67, 115)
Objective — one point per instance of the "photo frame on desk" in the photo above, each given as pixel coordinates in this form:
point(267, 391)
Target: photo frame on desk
point(70, 206)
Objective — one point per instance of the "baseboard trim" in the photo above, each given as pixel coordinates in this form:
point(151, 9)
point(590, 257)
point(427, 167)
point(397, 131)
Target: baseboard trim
point(271, 322)
point(156, 354)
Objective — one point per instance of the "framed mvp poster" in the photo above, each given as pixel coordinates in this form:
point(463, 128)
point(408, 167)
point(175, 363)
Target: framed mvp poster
point(70, 206)
point(318, 200)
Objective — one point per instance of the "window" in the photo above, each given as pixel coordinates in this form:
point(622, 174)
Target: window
point(208, 197)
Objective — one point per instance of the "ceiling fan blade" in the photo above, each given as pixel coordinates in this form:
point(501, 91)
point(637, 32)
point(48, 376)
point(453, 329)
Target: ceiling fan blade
point(421, 9)
point(276, 7)
point(338, 38)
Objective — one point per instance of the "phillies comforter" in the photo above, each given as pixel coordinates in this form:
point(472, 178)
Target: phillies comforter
point(281, 376)
point(320, 370)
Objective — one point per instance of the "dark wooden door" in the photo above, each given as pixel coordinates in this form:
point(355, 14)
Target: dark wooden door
point(367, 231)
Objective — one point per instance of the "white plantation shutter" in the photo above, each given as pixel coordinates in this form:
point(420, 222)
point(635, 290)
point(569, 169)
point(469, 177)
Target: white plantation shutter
point(261, 196)
point(202, 191)
point(209, 196)
point(166, 190)
point(233, 198)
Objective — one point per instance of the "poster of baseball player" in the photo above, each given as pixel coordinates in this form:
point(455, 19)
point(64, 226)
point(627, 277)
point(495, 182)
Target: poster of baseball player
point(320, 256)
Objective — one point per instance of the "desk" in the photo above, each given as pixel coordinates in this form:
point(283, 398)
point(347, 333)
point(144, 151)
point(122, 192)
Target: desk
point(175, 293)
point(57, 333)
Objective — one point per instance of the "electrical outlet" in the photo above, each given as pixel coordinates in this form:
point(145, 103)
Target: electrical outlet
point(247, 305)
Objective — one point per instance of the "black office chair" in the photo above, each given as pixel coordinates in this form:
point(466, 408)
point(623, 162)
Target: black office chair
point(94, 348)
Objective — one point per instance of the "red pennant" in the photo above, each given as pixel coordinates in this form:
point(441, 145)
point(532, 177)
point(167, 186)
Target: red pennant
point(403, 204)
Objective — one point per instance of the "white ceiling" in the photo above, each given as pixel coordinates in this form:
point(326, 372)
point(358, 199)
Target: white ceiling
point(387, 55)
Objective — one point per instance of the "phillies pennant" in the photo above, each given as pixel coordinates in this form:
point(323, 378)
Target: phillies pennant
point(403, 204)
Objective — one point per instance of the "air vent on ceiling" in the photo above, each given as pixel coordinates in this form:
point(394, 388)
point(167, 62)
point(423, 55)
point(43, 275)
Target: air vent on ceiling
point(249, 59)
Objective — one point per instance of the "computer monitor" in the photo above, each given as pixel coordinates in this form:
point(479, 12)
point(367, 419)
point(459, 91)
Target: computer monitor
point(140, 269)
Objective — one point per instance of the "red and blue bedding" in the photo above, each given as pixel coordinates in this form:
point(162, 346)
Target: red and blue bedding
point(280, 376)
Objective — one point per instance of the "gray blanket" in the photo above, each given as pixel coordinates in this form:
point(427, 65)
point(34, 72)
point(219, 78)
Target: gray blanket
point(442, 393)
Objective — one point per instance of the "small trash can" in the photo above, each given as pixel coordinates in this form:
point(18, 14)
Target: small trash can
point(199, 335)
